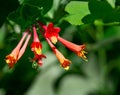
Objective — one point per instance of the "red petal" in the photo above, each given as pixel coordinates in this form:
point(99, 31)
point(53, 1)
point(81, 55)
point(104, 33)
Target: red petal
point(57, 30)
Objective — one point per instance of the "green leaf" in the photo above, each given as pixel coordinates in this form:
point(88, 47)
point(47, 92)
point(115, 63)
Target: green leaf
point(25, 15)
point(101, 10)
point(7, 6)
point(44, 4)
point(117, 2)
point(74, 19)
point(16, 16)
point(89, 18)
point(77, 10)
point(29, 11)
point(112, 3)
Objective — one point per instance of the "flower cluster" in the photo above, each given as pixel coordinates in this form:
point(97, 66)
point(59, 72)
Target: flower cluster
point(51, 34)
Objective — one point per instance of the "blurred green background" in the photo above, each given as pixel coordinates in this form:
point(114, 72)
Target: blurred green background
point(99, 76)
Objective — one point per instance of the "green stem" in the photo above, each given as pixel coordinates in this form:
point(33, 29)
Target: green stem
point(101, 55)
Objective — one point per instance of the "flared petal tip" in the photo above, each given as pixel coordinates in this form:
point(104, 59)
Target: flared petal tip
point(10, 60)
point(66, 64)
point(40, 63)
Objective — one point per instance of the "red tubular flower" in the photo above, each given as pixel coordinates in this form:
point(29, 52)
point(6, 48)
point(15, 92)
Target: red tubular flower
point(65, 63)
point(78, 49)
point(36, 46)
point(15, 55)
point(51, 32)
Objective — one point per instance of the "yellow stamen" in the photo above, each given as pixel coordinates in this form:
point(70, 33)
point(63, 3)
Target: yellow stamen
point(82, 54)
point(67, 68)
point(37, 50)
point(54, 39)
point(7, 61)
